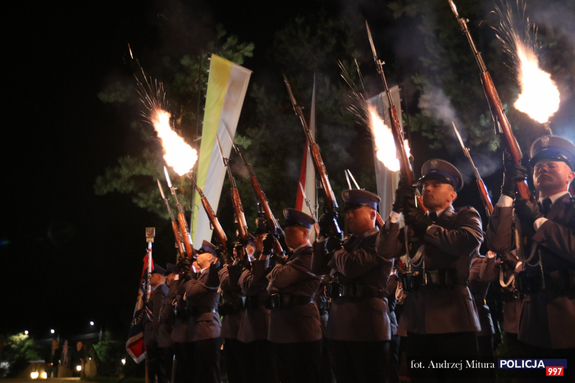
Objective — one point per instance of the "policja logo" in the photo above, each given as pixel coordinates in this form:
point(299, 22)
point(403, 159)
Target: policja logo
point(531, 363)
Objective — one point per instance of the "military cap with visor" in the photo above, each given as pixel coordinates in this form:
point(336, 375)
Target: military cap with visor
point(159, 270)
point(553, 148)
point(443, 172)
point(294, 217)
point(355, 198)
point(208, 247)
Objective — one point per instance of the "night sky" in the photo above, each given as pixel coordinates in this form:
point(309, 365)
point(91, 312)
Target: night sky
point(68, 256)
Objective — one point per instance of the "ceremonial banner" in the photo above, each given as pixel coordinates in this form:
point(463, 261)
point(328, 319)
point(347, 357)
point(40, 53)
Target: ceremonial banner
point(135, 344)
point(386, 179)
point(307, 172)
point(227, 86)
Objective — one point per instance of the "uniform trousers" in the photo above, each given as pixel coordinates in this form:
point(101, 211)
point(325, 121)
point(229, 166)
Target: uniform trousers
point(156, 366)
point(184, 368)
point(436, 357)
point(259, 365)
point(168, 359)
point(206, 360)
point(234, 355)
point(298, 362)
point(359, 362)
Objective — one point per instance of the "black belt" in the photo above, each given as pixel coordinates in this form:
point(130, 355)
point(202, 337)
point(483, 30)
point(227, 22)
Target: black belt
point(255, 301)
point(231, 307)
point(561, 281)
point(337, 290)
point(440, 278)
point(196, 311)
point(289, 300)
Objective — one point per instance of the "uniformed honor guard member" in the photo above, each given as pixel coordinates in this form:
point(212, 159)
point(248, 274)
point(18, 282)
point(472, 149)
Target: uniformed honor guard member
point(358, 329)
point(167, 316)
point(183, 347)
point(259, 365)
point(204, 324)
point(439, 313)
point(156, 365)
point(548, 276)
point(232, 310)
point(295, 327)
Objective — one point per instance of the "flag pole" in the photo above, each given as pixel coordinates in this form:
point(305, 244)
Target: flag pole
point(150, 234)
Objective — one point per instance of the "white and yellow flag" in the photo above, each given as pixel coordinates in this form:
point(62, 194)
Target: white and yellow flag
point(227, 86)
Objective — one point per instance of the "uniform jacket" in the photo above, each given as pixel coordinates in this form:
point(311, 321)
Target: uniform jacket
point(167, 317)
point(152, 327)
point(489, 272)
point(448, 243)
point(180, 328)
point(547, 317)
point(298, 323)
point(255, 322)
point(478, 288)
point(231, 292)
point(366, 319)
point(203, 297)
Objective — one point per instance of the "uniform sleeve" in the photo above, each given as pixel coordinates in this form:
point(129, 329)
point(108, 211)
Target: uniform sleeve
point(293, 271)
point(358, 261)
point(254, 280)
point(462, 240)
point(196, 288)
point(500, 230)
point(157, 302)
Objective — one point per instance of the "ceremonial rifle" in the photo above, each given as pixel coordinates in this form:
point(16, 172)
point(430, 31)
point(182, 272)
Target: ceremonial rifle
point(404, 163)
point(274, 229)
point(480, 184)
point(330, 201)
point(497, 112)
point(243, 233)
point(222, 238)
point(181, 218)
point(177, 234)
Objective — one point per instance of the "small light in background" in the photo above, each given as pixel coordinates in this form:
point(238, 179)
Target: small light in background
point(25, 332)
point(123, 361)
point(91, 323)
point(78, 368)
point(34, 374)
point(52, 331)
point(44, 375)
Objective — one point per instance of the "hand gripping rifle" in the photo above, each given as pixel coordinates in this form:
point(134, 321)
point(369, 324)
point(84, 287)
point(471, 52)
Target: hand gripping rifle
point(497, 112)
point(222, 238)
point(243, 233)
point(274, 229)
point(480, 184)
point(177, 234)
point(181, 218)
point(330, 201)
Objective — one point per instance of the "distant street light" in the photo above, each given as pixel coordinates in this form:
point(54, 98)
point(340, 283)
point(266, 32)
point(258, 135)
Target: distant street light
point(52, 331)
point(25, 332)
point(91, 323)
point(78, 368)
point(123, 361)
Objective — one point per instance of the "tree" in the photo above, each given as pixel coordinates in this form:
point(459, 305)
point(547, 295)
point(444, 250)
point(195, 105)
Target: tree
point(18, 350)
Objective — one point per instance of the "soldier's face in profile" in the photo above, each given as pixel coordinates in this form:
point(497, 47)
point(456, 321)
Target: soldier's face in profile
point(360, 219)
point(204, 259)
point(552, 177)
point(437, 195)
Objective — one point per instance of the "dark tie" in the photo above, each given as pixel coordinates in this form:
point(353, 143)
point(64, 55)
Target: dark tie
point(433, 216)
point(546, 206)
